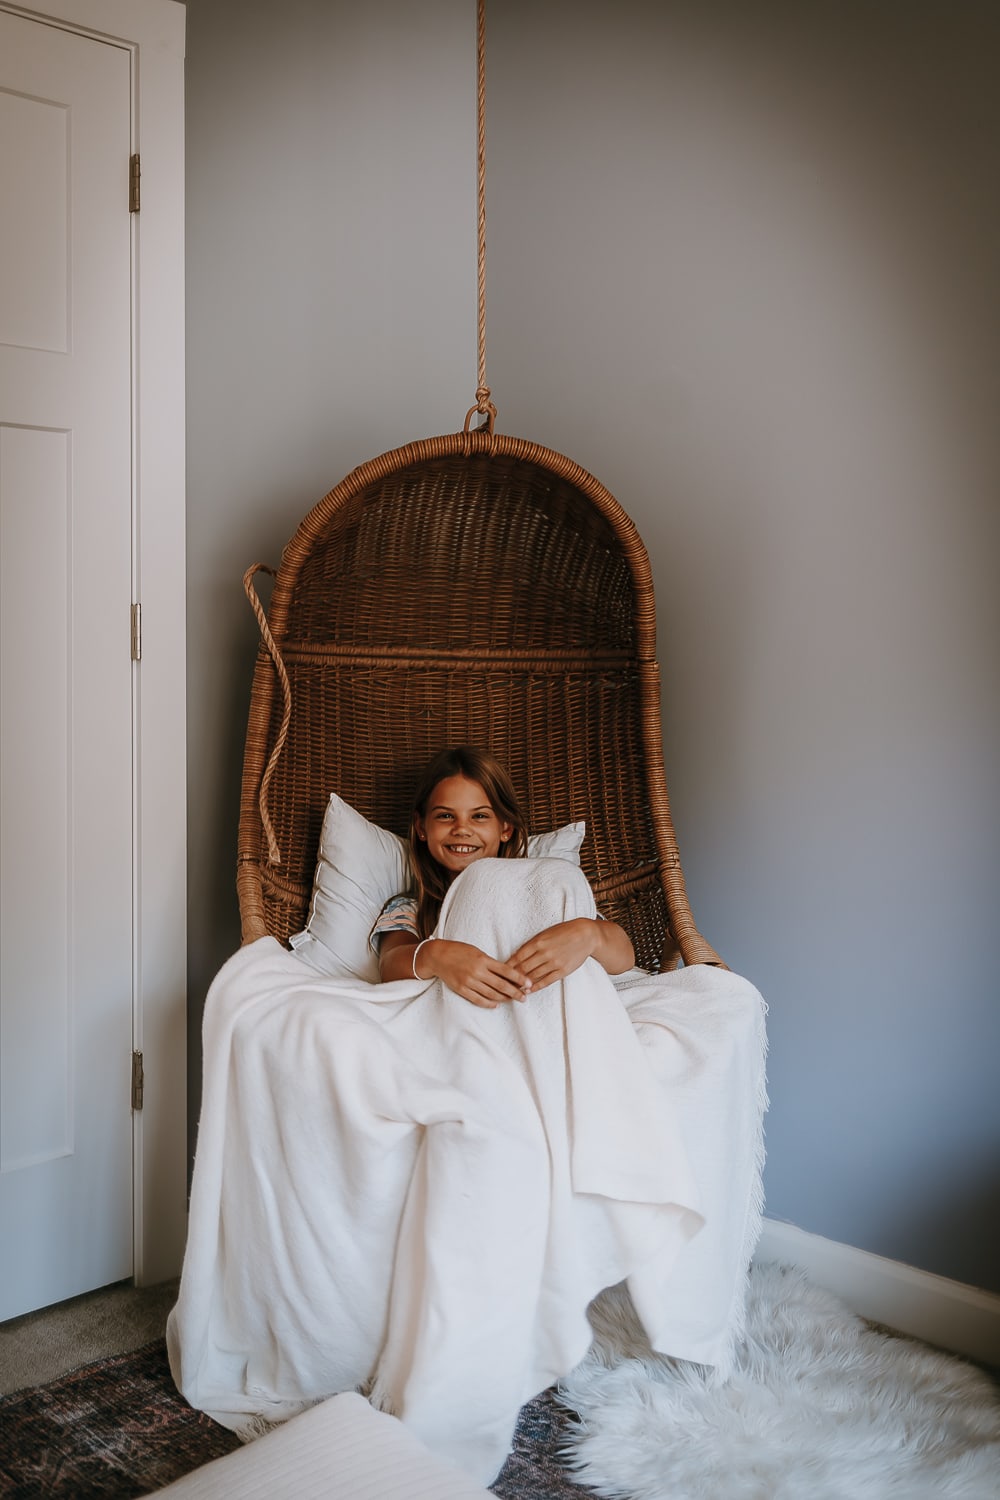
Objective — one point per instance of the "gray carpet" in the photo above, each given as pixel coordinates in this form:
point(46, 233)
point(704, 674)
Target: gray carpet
point(43, 1345)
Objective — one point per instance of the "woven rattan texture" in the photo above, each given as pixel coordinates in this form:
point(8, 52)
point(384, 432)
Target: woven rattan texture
point(476, 555)
point(500, 598)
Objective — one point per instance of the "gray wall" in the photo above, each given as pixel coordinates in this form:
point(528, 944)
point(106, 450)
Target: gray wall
point(742, 265)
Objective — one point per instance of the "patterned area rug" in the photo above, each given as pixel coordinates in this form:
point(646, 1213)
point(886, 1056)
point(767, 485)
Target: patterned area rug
point(116, 1428)
point(119, 1429)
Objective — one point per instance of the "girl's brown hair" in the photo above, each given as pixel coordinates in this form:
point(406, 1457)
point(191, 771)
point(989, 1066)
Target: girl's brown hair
point(432, 880)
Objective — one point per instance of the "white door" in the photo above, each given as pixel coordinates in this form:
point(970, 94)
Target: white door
point(66, 739)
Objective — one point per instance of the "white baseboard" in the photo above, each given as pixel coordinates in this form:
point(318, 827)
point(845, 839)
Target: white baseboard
point(945, 1313)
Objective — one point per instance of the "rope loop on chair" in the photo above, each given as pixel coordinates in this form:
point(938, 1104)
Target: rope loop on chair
point(273, 851)
point(486, 408)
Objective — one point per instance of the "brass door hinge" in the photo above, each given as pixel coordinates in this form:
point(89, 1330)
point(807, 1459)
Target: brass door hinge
point(137, 1080)
point(133, 183)
point(136, 644)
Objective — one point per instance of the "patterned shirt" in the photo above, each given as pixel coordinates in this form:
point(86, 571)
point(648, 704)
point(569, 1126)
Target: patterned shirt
point(397, 915)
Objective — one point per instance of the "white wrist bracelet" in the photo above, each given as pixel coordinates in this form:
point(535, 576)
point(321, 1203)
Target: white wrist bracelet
point(416, 951)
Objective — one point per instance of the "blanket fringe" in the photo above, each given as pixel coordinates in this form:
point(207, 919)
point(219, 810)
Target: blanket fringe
point(256, 1427)
point(753, 1224)
point(377, 1395)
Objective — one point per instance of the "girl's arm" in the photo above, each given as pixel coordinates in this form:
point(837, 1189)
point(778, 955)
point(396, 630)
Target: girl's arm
point(474, 975)
point(556, 951)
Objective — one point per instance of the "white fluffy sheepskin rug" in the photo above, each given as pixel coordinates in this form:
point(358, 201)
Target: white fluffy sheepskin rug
point(821, 1407)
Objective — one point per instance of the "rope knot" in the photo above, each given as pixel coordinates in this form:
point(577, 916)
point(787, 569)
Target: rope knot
point(483, 407)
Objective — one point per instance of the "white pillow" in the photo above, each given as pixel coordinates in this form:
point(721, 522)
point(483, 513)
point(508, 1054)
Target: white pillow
point(360, 867)
point(561, 843)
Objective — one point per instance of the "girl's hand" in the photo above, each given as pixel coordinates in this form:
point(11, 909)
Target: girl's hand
point(471, 973)
point(557, 951)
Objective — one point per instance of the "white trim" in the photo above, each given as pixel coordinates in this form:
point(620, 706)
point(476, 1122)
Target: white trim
point(947, 1314)
point(154, 32)
point(161, 1143)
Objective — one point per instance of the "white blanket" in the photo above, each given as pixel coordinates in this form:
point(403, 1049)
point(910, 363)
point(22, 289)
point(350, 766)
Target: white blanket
point(398, 1191)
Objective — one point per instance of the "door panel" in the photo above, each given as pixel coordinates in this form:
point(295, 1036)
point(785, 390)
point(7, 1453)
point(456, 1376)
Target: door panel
point(66, 738)
point(33, 175)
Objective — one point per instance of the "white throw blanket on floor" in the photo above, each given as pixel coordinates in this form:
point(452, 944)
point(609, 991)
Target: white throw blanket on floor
point(397, 1190)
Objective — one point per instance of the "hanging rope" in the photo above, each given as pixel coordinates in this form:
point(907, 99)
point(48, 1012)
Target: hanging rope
point(483, 404)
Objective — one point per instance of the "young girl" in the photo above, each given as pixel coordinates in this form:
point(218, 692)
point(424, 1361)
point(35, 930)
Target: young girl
point(465, 810)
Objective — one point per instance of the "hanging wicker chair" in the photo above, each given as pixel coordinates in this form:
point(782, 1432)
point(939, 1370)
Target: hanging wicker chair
point(472, 588)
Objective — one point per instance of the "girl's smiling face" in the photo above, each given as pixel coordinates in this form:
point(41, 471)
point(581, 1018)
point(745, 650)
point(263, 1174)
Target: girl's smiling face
point(460, 825)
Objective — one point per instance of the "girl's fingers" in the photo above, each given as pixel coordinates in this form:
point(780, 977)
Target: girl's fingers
point(495, 988)
point(508, 983)
point(509, 974)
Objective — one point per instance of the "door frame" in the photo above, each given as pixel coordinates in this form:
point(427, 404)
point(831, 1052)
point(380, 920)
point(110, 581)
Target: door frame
point(153, 32)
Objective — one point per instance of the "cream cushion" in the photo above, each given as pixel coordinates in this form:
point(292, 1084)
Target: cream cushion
point(341, 1449)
